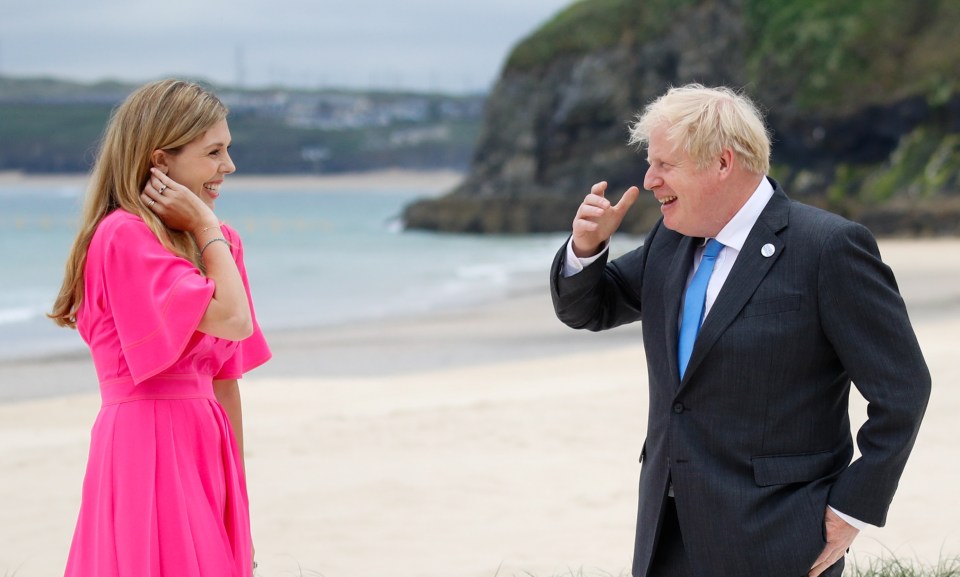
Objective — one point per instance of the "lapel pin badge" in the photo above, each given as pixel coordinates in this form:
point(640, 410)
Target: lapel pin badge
point(767, 250)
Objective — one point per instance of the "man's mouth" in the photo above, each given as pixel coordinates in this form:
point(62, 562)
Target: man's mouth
point(666, 200)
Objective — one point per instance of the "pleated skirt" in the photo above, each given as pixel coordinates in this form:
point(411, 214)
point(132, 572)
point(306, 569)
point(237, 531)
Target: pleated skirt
point(164, 492)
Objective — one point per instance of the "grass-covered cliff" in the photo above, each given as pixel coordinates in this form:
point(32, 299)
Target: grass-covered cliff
point(590, 26)
point(862, 96)
point(877, 50)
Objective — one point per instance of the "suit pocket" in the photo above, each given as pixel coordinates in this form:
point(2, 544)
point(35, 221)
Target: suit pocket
point(772, 307)
point(786, 469)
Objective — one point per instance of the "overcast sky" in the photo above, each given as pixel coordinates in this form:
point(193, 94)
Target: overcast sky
point(450, 45)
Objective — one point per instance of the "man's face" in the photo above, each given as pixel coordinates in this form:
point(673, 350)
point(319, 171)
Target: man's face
point(690, 197)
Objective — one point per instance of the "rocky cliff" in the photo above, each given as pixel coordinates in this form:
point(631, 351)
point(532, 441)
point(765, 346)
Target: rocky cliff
point(861, 96)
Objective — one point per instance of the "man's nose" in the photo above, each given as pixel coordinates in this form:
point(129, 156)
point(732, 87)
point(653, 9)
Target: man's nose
point(651, 179)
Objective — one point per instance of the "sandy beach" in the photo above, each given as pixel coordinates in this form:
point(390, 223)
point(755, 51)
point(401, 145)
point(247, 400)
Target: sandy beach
point(491, 441)
point(427, 182)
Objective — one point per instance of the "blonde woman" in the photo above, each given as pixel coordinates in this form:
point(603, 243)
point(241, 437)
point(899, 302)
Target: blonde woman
point(156, 286)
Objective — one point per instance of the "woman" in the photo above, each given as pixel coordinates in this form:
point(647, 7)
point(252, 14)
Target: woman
point(157, 288)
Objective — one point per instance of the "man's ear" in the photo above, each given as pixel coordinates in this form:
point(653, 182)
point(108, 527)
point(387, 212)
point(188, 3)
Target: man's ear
point(160, 160)
point(726, 162)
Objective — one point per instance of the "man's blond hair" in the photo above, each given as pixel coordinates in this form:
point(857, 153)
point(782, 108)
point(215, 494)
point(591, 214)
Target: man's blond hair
point(704, 121)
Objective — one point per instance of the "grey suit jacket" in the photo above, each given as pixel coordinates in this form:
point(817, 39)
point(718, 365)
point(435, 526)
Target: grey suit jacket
point(756, 437)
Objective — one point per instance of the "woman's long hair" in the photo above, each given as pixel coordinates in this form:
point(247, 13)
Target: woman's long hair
point(163, 115)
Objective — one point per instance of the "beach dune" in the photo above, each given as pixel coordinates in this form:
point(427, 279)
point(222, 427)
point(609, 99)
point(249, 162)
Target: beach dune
point(491, 441)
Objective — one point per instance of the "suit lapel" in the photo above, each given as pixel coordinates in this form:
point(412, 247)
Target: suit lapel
point(747, 273)
point(673, 289)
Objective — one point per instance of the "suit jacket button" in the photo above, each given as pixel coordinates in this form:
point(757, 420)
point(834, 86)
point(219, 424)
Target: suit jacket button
point(678, 408)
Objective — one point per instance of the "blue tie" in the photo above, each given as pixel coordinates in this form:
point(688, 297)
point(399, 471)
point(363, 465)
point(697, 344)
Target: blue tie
point(693, 303)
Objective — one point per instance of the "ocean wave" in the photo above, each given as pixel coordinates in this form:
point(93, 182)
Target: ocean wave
point(14, 315)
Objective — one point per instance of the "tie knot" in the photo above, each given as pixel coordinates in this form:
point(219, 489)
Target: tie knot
point(713, 248)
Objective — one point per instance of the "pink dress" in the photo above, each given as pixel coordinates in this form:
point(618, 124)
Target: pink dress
point(164, 492)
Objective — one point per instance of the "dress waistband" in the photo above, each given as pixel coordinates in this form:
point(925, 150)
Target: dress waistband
point(166, 386)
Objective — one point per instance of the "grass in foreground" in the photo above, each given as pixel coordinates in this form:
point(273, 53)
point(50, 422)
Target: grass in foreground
point(887, 566)
point(894, 567)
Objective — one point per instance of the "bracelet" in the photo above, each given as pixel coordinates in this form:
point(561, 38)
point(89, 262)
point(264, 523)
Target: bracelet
point(203, 230)
point(213, 240)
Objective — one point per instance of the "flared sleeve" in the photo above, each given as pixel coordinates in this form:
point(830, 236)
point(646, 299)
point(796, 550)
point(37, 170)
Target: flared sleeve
point(156, 298)
point(253, 350)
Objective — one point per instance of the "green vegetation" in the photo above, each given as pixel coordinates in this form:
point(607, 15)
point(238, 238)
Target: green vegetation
point(924, 167)
point(829, 59)
point(589, 25)
point(883, 567)
point(52, 88)
point(267, 146)
point(50, 138)
point(52, 126)
point(63, 138)
point(925, 163)
point(893, 567)
point(832, 55)
point(837, 55)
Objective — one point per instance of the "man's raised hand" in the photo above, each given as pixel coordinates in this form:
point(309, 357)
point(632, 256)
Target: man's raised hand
point(597, 219)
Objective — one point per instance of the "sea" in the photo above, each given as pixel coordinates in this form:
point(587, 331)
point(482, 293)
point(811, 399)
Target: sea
point(314, 259)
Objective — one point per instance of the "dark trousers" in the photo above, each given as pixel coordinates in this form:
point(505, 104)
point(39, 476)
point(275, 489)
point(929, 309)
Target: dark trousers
point(669, 559)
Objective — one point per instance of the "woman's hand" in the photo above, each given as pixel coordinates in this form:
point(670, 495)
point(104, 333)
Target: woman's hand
point(176, 205)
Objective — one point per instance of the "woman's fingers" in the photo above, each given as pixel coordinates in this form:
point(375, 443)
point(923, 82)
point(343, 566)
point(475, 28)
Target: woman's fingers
point(175, 204)
point(160, 181)
point(152, 195)
point(158, 184)
point(149, 195)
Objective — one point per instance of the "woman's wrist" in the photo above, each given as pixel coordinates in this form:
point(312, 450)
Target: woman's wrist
point(206, 230)
point(213, 240)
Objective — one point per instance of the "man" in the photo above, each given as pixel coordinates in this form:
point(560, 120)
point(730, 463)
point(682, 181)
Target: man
point(746, 468)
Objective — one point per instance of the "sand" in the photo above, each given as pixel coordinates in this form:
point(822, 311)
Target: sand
point(492, 441)
point(427, 182)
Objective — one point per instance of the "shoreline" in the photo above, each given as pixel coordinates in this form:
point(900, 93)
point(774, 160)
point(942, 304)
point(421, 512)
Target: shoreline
point(345, 348)
point(434, 181)
point(930, 291)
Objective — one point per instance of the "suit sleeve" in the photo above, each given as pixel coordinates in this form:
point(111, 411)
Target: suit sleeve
point(865, 319)
point(602, 296)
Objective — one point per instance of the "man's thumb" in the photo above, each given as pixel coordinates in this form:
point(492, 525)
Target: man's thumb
point(626, 201)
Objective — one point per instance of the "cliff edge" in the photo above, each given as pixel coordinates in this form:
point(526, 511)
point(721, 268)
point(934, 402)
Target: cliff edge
point(861, 96)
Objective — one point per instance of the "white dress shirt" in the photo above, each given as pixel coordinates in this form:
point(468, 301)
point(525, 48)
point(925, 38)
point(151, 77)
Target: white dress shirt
point(732, 237)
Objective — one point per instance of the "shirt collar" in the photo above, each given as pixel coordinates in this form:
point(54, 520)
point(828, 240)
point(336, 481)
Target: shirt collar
point(735, 233)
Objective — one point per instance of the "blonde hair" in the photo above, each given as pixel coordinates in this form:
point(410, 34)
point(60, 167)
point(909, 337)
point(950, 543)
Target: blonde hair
point(704, 121)
point(163, 115)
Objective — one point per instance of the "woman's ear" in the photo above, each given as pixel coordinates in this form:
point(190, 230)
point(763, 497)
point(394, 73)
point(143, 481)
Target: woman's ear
point(159, 158)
